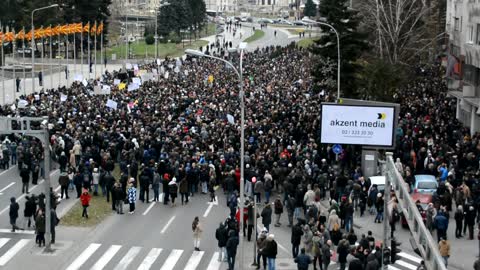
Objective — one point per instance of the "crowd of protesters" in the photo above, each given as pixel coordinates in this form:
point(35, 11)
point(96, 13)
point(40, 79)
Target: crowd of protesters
point(181, 133)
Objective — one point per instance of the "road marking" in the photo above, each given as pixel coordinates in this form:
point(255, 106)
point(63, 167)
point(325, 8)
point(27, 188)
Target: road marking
point(3, 241)
point(391, 267)
point(83, 257)
point(58, 188)
point(128, 258)
point(260, 228)
point(106, 257)
point(12, 251)
point(410, 257)
point(194, 260)
point(17, 231)
point(148, 209)
point(8, 170)
point(150, 259)
point(209, 208)
point(172, 259)
point(214, 263)
point(168, 224)
point(9, 185)
point(405, 264)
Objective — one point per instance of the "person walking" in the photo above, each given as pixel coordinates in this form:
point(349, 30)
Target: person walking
point(270, 251)
point(267, 216)
point(441, 223)
point(183, 189)
point(444, 248)
point(327, 254)
point(77, 180)
point(144, 186)
point(25, 175)
point(296, 238)
point(131, 195)
point(118, 197)
point(470, 221)
point(85, 200)
point(262, 237)
point(459, 216)
point(63, 180)
point(278, 209)
point(18, 81)
point(13, 213)
point(173, 190)
point(95, 181)
point(53, 223)
point(303, 260)
point(197, 233)
point(156, 186)
point(258, 189)
point(231, 245)
point(29, 211)
point(40, 228)
point(221, 235)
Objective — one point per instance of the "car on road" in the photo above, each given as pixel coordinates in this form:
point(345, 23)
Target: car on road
point(425, 183)
point(283, 21)
point(377, 180)
point(265, 20)
point(421, 200)
point(300, 23)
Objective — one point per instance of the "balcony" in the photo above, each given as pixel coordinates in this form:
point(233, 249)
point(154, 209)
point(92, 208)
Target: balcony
point(472, 54)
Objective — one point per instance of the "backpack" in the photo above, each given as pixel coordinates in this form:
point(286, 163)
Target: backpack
point(336, 227)
point(194, 226)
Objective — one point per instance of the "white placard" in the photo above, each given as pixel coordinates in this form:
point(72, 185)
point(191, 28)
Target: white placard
point(148, 77)
point(230, 119)
point(84, 82)
point(361, 125)
point(128, 66)
point(37, 97)
point(158, 62)
point(78, 77)
point(106, 89)
point(116, 81)
point(166, 75)
point(133, 87)
point(154, 71)
point(63, 97)
point(135, 67)
point(22, 103)
point(137, 80)
point(13, 107)
point(112, 104)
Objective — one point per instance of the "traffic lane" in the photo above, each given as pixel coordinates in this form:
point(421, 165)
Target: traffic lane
point(16, 191)
point(151, 231)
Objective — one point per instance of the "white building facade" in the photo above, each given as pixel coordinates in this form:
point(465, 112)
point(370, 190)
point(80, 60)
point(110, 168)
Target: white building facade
point(463, 61)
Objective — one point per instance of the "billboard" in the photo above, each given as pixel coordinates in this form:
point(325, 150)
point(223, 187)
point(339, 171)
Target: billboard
point(358, 124)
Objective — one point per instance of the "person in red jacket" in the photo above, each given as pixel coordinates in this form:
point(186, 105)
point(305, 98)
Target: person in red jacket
point(85, 199)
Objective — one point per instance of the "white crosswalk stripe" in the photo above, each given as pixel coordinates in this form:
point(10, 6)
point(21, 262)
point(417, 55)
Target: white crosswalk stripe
point(118, 257)
point(405, 261)
point(150, 259)
point(3, 241)
point(13, 251)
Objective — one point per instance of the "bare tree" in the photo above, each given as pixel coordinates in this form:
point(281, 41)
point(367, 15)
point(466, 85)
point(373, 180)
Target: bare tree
point(401, 27)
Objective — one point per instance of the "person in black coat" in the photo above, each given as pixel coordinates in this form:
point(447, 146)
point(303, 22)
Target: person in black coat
point(25, 175)
point(231, 245)
point(77, 181)
point(144, 186)
point(118, 196)
point(297, 233)
point(221, 235)
point(109, 182)
point(29, 211)
point(303, 260)
point(13, 213)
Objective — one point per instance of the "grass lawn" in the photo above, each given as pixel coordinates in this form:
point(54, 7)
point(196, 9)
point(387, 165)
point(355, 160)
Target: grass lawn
point(98, 210)
point(142, 50)
point(256, 36)
point(306, 42)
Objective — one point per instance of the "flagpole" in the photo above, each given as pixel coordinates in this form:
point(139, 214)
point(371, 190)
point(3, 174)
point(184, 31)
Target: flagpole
point(51, 56)
point(59, 62)
point(3, 67)
point(23, 64)
point(81, 51)
point(95, 42)
point(88, 52)
point(74, 54)
point(13, 56)
point(43, 61)
point(66, 68)
point(101, 52)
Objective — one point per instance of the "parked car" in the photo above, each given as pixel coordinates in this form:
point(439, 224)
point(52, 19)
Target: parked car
point(377, 180)
point(283, 21)
point(425, 183)
point(300, 23)
point(423, 201)
point(265, 20)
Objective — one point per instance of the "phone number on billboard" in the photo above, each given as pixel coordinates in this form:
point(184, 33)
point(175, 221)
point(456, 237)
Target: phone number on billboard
point(357, 132)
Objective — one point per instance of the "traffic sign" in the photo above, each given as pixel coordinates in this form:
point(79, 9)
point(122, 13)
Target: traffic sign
point(337, 149)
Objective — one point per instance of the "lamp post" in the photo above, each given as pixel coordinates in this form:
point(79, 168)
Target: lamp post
point(338, 56)
point(33, 43)
point(241, 95)
point(126, 34)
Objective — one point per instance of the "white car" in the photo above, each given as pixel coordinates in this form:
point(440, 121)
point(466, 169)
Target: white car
point(265, 20)
point(283, 21)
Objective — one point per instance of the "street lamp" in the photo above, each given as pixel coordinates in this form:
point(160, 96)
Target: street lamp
point(126, 33)
point(33, 44)
point(338, 56)
point(241, 95)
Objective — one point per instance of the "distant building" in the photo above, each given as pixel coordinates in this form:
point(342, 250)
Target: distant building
point(463, 60)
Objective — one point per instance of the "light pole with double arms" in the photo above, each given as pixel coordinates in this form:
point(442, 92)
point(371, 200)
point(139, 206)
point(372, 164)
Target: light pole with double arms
point(242, 129)
point(33, 44)
point(338, 56)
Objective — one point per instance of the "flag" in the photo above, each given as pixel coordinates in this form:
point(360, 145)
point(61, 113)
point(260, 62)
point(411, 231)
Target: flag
point(86, 28)
point(21, 35)
point(9, 36)
point(93, 29)
point(100, 28)
point(39, 33)
point(78, 28)
point(71, 28)
point(48, 32)
point(64, 30)
point(28, 36)
point(56, 30)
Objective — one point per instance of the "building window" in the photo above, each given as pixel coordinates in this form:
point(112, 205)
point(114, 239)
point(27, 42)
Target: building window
point(470, 34)
point(478, 34)
point(456, 24)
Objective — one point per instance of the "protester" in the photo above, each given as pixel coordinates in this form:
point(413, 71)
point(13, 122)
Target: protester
point(13, 213)
point(85, 200)
point(231, 245)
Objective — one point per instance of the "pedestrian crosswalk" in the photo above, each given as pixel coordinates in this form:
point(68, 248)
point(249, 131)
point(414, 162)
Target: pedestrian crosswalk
point(116, 257)
point(405, 262)
point(10, 247)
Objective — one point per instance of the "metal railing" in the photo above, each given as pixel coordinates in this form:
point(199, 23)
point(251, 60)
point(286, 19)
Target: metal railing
point(426, 245)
